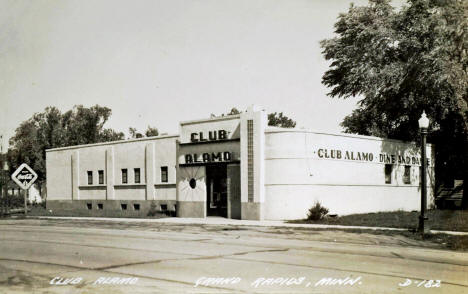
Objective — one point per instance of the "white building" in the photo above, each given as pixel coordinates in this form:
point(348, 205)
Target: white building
point(237, 167)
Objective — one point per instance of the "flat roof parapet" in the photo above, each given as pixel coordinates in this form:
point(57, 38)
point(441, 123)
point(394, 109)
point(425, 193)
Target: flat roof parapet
point(215, 118)
point(270, 129)
point(114, 142)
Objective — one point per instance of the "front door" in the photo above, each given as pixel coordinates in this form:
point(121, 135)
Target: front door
point(216, 201)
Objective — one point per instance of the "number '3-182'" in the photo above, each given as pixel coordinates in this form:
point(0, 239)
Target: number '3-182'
point(425, 283)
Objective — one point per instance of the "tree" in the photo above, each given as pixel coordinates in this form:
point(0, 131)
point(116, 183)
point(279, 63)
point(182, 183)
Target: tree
point(274, 119)
point(280, 120)
point(151, 132)
point(134, 134)
point(234, 111)
point(52, 129)
point(86, 125)
point(401, 62)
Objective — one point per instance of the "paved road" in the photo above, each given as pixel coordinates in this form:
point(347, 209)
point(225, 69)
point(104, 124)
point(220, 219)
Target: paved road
point(36, 256)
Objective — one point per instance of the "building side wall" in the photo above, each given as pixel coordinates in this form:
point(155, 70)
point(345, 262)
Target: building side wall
point(298, 173)
point(59, 175)
point(284, 202)
point(67, 171)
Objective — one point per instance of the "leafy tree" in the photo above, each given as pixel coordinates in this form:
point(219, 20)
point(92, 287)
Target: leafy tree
point(274, 119)
point(151, 132)
point(52, 129)
point(401, 62)
point(86, 125)
point(134, 134)
point(280, 120)
point(234, 111)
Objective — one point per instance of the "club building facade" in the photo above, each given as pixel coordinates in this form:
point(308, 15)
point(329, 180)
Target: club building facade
point(236, 167)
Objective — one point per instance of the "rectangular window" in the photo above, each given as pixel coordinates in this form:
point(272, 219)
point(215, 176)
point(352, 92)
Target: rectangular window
point(163, 207)
point(123, 206)
point(124, 176)
point(407, 175)
point(101, 176)
point(136, 206)
point(388, 173)
point(164, 174)
point(137, 175)
point(89, 205)
point(100, 206)
point(90, 177)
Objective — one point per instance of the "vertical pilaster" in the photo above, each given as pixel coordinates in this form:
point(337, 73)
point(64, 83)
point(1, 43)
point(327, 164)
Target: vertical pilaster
point(149, 171)
point(75, 171)
point(233, 189)
point(253, 124)
point(110, 173)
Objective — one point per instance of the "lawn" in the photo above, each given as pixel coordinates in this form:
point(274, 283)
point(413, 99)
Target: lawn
point(444, 220)
point(41, 211)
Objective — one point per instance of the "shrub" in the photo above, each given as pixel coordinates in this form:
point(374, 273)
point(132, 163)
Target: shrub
point(152, 211)
point(317, 212)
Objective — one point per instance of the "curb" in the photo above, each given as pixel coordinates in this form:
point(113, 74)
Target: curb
point(223, 221)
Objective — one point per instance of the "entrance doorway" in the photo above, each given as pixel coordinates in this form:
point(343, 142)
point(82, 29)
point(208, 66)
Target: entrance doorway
point(216, 196)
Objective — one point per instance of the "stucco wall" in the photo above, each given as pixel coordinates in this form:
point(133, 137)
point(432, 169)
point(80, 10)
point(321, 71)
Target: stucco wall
point(58, 166)
point(67, 168)
point(297, 174)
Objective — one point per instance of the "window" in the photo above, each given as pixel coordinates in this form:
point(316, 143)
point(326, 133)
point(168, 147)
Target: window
point(100, 206)
point(123, 206)
point(388, 173)
point(89, 206)
point(101, 176)
point(407, 175)
point(90, 177)
point(164, 174)
point(124, 176)
point(163, 207)
point(136, 206)
point(137, 175)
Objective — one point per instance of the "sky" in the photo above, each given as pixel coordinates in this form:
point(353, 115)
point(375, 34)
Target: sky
point(156, 63)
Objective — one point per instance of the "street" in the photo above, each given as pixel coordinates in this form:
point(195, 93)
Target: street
point(78, 256)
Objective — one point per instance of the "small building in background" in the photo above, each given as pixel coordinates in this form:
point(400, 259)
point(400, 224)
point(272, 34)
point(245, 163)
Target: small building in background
point(34, 195)
point(236, 166)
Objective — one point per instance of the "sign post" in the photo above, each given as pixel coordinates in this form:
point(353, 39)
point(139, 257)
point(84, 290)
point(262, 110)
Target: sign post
point(24, 176)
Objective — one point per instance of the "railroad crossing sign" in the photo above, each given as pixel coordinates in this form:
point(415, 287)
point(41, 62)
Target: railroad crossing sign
point(24, 176)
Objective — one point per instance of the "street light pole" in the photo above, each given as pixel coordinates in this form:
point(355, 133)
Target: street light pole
point(423, 125)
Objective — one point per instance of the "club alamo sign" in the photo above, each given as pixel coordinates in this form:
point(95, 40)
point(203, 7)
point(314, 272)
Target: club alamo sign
point(368, 157)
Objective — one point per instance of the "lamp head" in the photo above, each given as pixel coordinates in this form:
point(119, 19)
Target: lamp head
point(423, 121)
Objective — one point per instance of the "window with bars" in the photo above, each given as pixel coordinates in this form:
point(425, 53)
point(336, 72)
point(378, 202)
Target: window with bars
point(137, 175)
point(124, 176)
point(388, 173)
point(101, 176)
point(164, 174)
point(407, 175)
point(90, 177)
point(250, 160)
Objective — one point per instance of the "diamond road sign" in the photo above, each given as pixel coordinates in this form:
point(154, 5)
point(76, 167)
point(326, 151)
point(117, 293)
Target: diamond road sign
point(24, 176)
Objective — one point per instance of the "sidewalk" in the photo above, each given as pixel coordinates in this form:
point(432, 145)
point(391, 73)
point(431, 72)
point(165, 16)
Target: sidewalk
point(236, 222)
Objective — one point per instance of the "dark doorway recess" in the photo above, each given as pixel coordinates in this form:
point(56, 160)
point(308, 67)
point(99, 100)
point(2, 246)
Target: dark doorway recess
point(216, 196)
